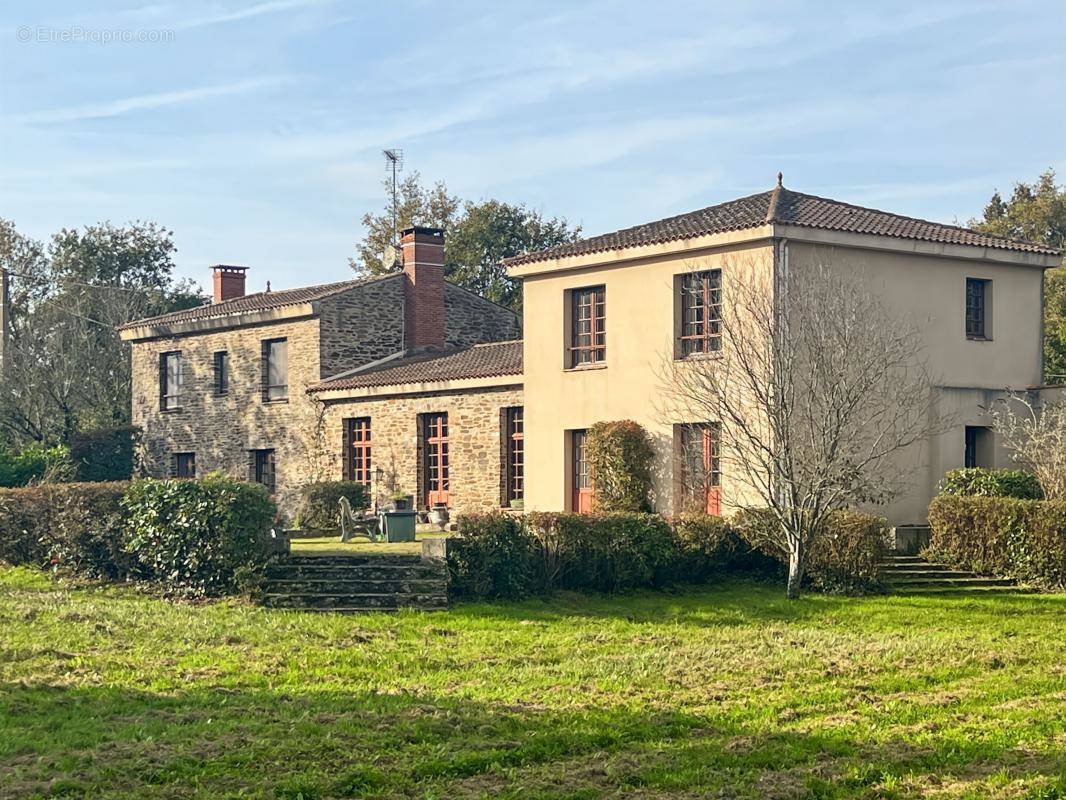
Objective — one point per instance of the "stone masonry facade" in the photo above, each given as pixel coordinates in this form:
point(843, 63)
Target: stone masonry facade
point(477, 461)
point(350, 329)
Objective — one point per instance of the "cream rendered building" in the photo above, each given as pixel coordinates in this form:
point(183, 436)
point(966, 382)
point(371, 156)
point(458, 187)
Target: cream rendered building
point(602, 314)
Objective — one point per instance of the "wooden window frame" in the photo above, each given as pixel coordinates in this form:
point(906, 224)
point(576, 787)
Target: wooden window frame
point(700, 442)
point(513, 430)
point(275, 392)
point(700, 311)
point(977, 308)
point(587, 348)
point(221, 365)
point(264, 468)
point(183, 465)
point(170, 401)
point(436, 459)
point(358, 450)
point(581, 492)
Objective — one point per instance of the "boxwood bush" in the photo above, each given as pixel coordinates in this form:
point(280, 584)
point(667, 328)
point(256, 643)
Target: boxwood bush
point(1004, 536)
point(199, 538)
point(319, 508)
point(980, 482)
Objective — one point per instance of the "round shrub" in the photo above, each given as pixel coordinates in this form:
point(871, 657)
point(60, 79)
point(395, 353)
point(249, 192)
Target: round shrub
point(320, 503)
point(493, 557)
point(620, 456)
point(198, 538)
point(980, 482)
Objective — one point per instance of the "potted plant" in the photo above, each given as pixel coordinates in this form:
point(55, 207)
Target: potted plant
point(517, 505)
point(438, 515)
point(401, 500)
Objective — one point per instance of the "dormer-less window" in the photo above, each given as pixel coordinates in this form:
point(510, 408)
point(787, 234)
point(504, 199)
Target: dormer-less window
point(221, 372)
point(977, 303)
point(588, 326)
point(275, 370)
point(701, 312)
point(171, 378)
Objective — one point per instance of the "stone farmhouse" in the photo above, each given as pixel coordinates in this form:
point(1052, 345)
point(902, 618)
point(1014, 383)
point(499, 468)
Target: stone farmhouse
point(406, 382)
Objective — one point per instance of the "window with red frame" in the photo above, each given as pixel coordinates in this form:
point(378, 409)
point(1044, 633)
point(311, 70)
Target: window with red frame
point(357, 451)
point(701, 470)
point(701, 312)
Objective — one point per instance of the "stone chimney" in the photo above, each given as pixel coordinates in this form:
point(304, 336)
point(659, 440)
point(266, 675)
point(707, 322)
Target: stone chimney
point(229, 282)
point(423, 271)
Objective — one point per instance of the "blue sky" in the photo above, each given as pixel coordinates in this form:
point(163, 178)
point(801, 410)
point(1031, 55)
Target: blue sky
point(254, 130)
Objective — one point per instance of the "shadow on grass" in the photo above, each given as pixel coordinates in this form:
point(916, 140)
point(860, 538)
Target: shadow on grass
point(67, 741)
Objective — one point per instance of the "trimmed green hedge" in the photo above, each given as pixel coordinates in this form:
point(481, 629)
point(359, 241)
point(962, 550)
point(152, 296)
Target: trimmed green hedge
point(499, 555)
point(980, 482)
point(76, 527)
point(202, 538)
point(196, 538)
point(320, 503)
point(105, 454)
point(1021, 539)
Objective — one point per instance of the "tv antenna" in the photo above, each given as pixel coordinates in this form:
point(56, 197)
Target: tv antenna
point(394, 165)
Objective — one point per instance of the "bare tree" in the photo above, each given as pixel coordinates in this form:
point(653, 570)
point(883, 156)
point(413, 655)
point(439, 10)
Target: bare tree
point(1036, 434)
point(815, 390)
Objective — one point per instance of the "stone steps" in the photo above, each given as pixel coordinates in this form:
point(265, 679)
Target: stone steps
point(915, 574)
point(353, 584)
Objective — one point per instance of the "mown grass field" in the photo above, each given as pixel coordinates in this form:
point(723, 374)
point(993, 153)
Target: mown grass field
point(725, 692)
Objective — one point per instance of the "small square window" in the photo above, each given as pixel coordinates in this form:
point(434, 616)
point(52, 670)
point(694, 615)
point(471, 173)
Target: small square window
point(184, 465)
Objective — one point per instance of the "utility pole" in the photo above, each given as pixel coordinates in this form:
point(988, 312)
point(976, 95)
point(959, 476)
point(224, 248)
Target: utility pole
point(5, 319)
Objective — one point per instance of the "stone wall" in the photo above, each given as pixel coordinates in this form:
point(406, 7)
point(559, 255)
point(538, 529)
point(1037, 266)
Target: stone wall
point(361, 325)
point(222, 430)
point(356, 327)
point(474, 442)
point(471, 319)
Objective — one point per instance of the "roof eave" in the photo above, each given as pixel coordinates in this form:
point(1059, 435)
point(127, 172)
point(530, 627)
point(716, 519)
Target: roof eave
point(616, 256)
point(167, 330)
point(325, 393)
point(923, 247)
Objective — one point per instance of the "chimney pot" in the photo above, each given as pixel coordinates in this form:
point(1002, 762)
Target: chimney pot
point(423, 271)
point(229, 282)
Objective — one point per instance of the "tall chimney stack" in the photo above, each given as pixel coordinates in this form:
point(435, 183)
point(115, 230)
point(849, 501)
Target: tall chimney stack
point(229, 282)
point(423, 271)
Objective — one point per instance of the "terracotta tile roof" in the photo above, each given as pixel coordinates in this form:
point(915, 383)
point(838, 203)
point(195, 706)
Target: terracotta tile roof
point(259, 301)
point(489, 360)
point(783, 207)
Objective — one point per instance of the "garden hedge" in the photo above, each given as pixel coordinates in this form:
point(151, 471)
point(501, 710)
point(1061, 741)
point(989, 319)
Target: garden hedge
point(319, 508)
point(201, 538)
point(498, 555)
point(1008, 537)
point(105, 454)
point(76, 527)
point(980, 482)
point(198, 538)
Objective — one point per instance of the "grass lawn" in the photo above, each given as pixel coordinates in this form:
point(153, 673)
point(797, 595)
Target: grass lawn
point(726, 692)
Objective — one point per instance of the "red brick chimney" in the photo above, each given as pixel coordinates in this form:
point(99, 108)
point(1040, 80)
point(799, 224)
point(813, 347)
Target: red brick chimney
point(423, 270)
point(229, 282)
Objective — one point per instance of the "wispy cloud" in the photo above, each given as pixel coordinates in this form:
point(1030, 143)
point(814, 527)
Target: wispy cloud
point(247, 12)
point(144, 102)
